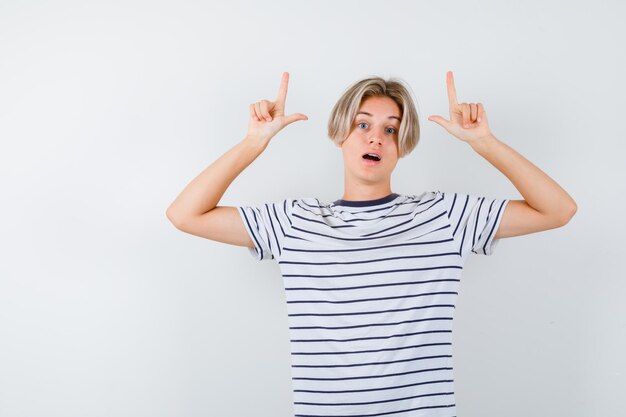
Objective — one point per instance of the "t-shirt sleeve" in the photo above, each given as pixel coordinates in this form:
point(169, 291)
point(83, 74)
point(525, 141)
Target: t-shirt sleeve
point(474, 221)
point(267, 225)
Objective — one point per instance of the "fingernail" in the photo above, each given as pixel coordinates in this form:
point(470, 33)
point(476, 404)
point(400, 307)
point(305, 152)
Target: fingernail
point(479, 119)
point(466, 125)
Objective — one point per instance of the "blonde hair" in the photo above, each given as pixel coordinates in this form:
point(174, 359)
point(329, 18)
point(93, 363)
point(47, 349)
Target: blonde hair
point(341, 120)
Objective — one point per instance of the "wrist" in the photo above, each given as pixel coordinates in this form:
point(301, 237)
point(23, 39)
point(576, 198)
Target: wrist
point(255, 142)
point(483, 142)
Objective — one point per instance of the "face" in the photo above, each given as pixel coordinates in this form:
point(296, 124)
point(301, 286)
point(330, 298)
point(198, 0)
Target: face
point(375, 130)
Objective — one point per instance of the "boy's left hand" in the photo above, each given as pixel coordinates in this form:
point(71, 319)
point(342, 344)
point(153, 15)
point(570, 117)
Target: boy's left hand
point(468, 121)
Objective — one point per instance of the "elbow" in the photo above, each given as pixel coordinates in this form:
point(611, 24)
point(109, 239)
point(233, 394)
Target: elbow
point(171, 216)
point(572, 210)
point(568, 213)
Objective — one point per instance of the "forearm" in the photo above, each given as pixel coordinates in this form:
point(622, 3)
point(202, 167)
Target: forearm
point(205, 191)
point(539, 190)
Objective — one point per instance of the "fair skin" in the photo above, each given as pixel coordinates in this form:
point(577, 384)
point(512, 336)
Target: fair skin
point(545, 205)
point(377, 132)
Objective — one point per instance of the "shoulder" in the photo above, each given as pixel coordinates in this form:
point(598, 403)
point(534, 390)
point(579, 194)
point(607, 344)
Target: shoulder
point(303, 205)
point(423, 200)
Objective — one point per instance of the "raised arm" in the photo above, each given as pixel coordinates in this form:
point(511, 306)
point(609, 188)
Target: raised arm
point(195, 210)
point(546, 205)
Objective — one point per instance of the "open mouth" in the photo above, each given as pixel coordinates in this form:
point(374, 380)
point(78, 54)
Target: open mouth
point(372, 157)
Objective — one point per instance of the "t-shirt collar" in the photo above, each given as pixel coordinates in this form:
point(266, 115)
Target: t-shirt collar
point(366, 203)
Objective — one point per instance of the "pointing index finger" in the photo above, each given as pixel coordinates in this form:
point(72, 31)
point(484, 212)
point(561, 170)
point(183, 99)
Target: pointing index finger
point(451, 90)
point(282, 91)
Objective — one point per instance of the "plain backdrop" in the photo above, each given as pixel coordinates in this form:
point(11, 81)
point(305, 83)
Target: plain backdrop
point(109, 109)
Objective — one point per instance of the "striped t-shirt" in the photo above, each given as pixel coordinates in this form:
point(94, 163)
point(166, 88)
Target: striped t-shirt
point(371, 288)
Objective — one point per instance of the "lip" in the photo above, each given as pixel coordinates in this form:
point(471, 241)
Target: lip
point(376, 152)
point(370, 162)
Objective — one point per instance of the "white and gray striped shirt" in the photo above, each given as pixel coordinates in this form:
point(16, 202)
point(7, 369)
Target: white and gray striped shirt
point(371, 288)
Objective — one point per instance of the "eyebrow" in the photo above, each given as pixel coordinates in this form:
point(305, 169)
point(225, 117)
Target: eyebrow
point(390, 117)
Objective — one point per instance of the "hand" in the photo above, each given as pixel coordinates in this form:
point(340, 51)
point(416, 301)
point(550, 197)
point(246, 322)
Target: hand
point(268, 117)
point(468, 122)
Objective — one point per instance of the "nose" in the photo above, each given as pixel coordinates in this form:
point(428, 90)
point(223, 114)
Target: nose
point(375, 137)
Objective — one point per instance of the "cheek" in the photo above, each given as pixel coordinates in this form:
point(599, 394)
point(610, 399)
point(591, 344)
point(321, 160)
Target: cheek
point(394, 147)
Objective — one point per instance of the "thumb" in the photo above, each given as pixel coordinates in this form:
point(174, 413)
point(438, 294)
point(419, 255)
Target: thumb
point(295, 117)
point(440, 121)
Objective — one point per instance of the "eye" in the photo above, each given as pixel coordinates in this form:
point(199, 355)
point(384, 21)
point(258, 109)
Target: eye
point(362, 123)
point(394, 130)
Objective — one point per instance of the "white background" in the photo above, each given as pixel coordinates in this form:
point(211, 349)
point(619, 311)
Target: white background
point(108, 109)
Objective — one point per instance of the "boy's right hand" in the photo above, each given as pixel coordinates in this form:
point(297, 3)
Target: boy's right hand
point(268, 117)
